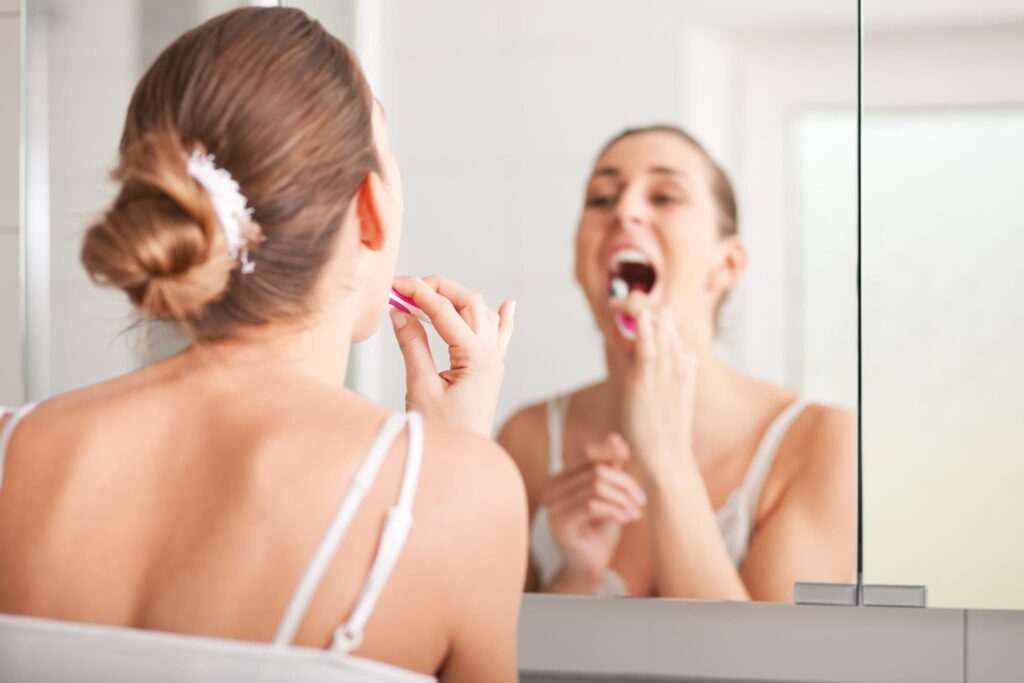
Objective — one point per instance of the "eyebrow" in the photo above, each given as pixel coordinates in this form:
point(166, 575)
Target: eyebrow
point(661, 170)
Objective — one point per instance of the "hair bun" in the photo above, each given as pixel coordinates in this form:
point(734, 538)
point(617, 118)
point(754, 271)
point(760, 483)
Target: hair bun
point(160, 242)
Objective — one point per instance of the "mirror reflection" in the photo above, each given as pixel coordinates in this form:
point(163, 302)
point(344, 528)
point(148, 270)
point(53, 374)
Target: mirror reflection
point(668, 192)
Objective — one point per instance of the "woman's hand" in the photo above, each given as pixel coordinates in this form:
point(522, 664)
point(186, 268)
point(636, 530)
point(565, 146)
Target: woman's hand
point(466, 394)
point(658, 396)
point(588, 504)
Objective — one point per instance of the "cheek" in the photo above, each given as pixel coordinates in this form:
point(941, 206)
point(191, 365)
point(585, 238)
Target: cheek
point(588, 246)
point(689, 255)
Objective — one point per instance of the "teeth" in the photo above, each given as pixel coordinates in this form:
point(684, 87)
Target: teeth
point(628, 256)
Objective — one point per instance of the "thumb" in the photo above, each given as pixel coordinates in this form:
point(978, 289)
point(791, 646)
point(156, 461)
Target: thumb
point(412, 340)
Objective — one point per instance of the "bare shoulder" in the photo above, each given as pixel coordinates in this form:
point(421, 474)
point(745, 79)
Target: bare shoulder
point(525, 437)
point(819, 452)
point(825, 429)
point(471, 467)
point(472, 495)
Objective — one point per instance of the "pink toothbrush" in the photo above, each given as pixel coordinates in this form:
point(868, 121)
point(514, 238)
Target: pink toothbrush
point(407, 305)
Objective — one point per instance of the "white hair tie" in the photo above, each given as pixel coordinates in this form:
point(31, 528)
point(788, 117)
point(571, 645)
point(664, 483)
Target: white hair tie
point(230, 205)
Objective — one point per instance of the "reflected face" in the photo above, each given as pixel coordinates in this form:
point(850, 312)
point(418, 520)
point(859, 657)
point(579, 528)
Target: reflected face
point(649, 220)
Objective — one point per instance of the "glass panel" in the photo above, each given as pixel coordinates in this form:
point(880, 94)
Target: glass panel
point(944, 378)
point(824, 206)
point(943, 164)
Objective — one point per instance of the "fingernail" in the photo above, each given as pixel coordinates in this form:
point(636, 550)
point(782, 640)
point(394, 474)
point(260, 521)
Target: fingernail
point(512, 307)
point(398, 318)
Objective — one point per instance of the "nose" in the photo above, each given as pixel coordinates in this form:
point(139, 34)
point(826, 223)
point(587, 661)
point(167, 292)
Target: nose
point(631, 208)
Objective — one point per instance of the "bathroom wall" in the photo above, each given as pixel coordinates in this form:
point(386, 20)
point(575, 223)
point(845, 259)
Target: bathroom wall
point(10, 332)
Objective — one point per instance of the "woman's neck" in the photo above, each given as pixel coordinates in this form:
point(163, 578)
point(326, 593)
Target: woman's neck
point(317, 348)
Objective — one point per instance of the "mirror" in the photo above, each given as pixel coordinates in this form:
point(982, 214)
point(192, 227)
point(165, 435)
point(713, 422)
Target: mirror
point(943, 146)
point(497, 113)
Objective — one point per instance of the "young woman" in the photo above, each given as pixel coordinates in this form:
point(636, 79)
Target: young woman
point(238, 490)
point(677, 476)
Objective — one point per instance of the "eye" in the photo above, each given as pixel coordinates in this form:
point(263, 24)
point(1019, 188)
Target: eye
point(664, 198)
point(601, 201)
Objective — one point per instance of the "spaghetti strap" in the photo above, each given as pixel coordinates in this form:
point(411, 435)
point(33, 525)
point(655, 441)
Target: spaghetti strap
point(349, 635)
point(557, 410)
point(757, 473)
point(13, 416)
point(362, 482)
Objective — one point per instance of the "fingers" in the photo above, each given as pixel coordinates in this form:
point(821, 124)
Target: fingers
point(632, 305)
point(595, 509)
point(469, 304)
point(612, 449)
point(506, 320)
point(458, 312)
point(646, 346)
point(595, 480)
point(412, 341)
point(654, 329)
point(581, 502)
point(452, 327)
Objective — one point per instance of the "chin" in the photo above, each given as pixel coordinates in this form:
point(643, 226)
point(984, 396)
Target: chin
point(367, 324)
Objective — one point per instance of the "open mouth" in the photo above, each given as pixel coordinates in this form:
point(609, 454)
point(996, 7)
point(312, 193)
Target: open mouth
point(629, 270)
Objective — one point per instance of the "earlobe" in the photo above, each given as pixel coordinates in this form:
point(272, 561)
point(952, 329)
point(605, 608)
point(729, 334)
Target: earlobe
point(370, 212)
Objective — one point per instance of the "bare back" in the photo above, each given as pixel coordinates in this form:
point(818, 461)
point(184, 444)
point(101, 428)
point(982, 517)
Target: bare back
point(192, 502)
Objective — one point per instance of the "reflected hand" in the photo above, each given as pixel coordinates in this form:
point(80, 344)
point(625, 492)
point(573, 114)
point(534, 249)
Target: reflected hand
point(466, 394)
point(658, 396)
point(588, 504)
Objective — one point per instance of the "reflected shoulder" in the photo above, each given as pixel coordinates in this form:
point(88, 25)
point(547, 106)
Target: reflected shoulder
point(525, 437)
point(821, 447)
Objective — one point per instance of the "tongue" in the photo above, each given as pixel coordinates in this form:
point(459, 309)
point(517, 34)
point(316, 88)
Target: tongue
point(637, 276)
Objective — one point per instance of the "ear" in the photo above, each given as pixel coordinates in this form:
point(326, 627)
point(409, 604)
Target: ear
point(374, 227)
point(732, 262)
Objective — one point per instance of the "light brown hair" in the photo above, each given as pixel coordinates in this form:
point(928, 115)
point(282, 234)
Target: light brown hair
point(721, 187)
point(284, 108)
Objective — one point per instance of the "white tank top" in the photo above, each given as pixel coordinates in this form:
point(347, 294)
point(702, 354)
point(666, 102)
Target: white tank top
point(45, 650)
point(735, 518)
